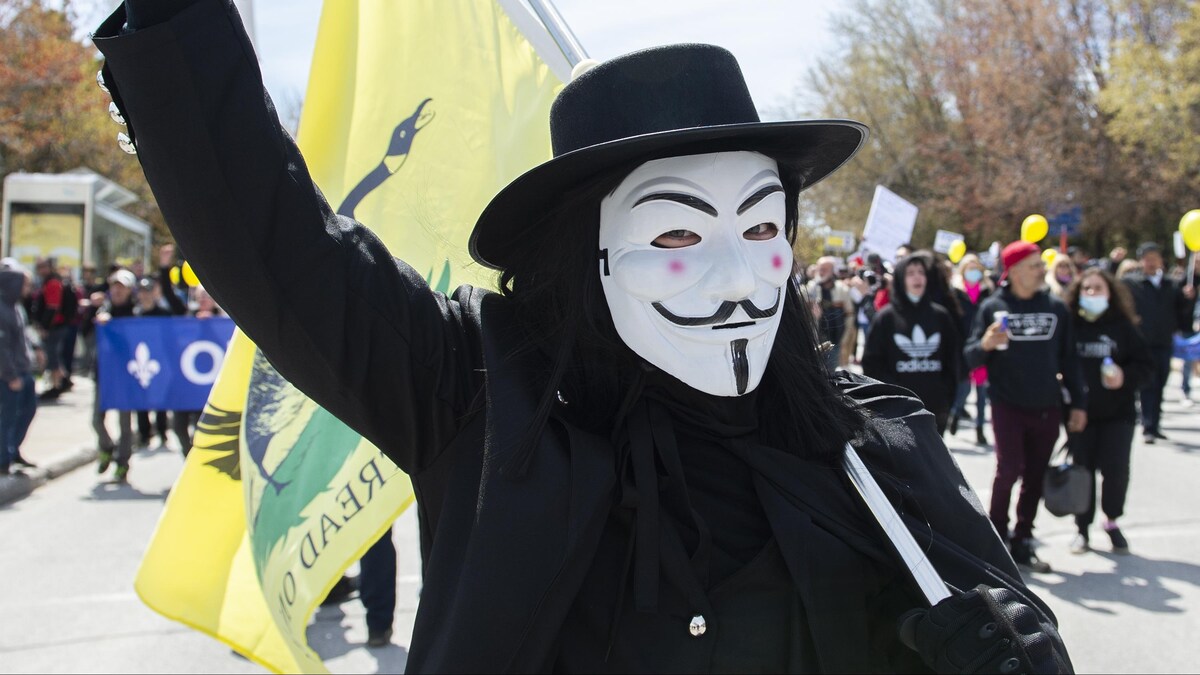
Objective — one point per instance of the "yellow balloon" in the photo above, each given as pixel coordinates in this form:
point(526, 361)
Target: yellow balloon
point(189, 276)
point(1189, 227)
point(957, 250)
point(1048, 256)
point(1035, 228)
point(174, 274)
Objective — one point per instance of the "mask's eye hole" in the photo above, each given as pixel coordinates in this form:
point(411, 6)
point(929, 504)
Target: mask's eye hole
point(761, 232)
point(676, 239)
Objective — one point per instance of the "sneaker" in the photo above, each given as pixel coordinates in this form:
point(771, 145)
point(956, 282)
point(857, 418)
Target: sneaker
point(1023, 555)
point(50, 395)
point(953, 425)
point(1149, 439)
point(21, 461)
point(1079, 544)
point(121, 475)
point(104, 459)
point(379, 638)
point(1119, 543)
point(980, 438)
point(1160, 435)
point(1186, 402)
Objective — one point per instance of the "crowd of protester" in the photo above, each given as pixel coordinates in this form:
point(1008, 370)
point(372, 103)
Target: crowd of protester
point(49, 316)
point(1049, 342)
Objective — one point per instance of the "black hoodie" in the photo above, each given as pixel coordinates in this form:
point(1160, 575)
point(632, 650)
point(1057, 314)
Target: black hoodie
point(915, 347)
point(1040, 348)
point(1112, 335)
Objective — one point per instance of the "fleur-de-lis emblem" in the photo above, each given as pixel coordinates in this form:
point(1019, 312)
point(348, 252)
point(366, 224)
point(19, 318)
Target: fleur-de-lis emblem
point(142, 367)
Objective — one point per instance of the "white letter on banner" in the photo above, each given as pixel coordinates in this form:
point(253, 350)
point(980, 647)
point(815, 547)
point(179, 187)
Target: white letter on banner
point(187, 362)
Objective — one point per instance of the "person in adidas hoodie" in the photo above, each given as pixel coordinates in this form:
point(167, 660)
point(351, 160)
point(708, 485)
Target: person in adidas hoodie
point(913, 342)
point(1107, 329)
point(1024, 364)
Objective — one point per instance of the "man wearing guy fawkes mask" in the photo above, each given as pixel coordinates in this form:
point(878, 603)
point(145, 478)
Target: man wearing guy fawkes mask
point(628, 459)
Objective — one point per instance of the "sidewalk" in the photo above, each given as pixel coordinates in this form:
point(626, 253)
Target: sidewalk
point(60, 440)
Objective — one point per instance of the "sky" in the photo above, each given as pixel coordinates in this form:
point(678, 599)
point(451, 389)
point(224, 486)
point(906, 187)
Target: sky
point(774, 40)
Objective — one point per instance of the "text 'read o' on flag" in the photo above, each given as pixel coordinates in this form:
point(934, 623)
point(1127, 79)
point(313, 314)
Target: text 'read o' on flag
point(417, 113)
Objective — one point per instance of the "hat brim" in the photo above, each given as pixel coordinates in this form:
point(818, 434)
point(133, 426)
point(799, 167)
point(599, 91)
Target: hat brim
point(817, 147)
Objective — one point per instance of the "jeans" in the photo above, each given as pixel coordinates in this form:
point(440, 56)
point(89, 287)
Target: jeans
point(960, 401)
point(122, 450)
point(1104, 445)
point(68, 349)
point(16, 414)
point(377, 583)
point(1151, 393)
point(1024, 442)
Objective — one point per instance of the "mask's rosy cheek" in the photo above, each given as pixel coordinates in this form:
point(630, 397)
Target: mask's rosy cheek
point(777, 261)
point(676, 267)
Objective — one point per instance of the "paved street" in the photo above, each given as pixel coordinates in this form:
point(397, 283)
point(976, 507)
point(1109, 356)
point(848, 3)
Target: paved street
point(71, 548)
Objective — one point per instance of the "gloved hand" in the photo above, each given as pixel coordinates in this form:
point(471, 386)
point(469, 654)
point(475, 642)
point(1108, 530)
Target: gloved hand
point(985, 630)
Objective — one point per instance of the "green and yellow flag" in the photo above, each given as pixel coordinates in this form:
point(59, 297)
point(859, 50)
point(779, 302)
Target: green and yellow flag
point(418, 111)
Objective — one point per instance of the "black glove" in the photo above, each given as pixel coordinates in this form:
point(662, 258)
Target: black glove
point(985, 630)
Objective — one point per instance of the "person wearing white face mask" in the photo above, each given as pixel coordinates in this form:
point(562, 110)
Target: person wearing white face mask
point(1115, 360)
point(627, 460)
point(913, 342)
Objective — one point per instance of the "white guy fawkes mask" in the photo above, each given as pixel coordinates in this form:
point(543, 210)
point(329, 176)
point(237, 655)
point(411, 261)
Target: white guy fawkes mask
point(693, 260)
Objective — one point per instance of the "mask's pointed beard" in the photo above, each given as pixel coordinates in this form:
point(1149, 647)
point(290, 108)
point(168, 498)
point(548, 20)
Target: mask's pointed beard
point(741, 364)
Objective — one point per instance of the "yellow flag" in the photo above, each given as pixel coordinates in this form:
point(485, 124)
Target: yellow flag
point(418, 112)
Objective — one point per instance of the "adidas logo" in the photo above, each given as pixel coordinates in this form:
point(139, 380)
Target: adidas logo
point(919, 346)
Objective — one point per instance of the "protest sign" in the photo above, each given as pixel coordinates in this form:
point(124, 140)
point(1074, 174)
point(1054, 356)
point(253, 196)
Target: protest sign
point(889, 223)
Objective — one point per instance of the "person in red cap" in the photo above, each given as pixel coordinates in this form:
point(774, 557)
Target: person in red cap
point(1025, 353)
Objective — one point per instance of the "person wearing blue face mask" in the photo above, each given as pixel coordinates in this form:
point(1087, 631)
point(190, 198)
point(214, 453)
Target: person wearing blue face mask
point(1115, 360)
point(976, 286)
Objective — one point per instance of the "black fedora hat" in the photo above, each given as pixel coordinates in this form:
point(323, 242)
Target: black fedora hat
point(666, 101)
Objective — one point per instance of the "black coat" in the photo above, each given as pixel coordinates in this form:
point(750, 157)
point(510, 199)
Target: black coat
point(432, 381)
point(1164, 309)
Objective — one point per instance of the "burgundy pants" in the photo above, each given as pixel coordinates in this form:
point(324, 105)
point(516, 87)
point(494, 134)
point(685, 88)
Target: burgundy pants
point(1024, 442)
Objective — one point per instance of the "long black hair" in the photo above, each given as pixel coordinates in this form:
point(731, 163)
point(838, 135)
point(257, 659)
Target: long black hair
point(554, 285)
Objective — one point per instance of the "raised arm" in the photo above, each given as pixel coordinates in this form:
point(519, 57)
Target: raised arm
point(357, 331)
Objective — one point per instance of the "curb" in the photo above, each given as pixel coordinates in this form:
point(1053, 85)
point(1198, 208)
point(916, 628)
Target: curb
point(19, 486)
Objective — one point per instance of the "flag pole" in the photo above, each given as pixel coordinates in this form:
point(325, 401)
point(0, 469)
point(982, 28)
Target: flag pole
point(559, 30)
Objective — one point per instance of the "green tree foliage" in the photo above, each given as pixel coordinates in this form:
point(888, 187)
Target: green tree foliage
point(52, 115)
point(1152, 99)
point(984, 112)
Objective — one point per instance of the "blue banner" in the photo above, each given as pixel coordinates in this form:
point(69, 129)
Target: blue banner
point(160, 363)
point(1187, 349)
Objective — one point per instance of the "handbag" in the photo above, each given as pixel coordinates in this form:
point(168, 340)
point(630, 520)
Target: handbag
point(1067, 487)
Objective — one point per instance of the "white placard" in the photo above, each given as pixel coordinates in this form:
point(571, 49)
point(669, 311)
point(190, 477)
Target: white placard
point(889, 224)
point(944, 240)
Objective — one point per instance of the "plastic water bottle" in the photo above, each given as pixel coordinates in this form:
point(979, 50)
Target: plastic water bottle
point(1108, 368)
point(1002, 317)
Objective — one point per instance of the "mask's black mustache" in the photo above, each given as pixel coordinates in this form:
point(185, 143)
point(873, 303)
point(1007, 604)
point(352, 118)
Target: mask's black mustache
point(722, 314)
